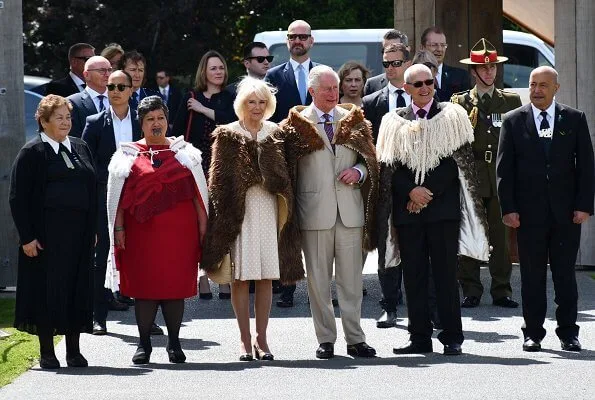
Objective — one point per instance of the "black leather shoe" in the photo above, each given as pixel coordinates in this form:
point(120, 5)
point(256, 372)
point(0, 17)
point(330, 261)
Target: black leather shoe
point(284, 303)
point(99, 328)
point(176, 355)
point(360, 350)
point(335, 302)
point(505, 302)
point(76, 361)
point(156, 330)
point(262, 355)
point(49, 362)
point(115, 305)
point(571, 344)
point(388, 319)
point(246, 357)
point(205, 296)
point(325, 351)
point(470, 302)
point(142, 355)
point(125, 299)
point(531, 345)
point(453, 349)
point(414, 348)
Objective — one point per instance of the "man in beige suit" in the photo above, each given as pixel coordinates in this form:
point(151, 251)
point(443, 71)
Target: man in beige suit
point(336, 189)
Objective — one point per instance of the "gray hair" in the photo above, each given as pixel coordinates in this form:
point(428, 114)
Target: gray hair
point(251, 86)
point(317, 72)
point(148, 104)
point(415, 69)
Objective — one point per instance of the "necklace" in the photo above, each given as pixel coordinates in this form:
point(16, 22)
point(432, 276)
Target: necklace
point(254, 134)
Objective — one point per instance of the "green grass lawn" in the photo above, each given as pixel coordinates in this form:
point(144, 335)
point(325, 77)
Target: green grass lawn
point(19, 351)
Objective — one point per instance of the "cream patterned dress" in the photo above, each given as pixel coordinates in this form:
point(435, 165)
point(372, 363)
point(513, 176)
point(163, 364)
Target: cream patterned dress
point(255, 251)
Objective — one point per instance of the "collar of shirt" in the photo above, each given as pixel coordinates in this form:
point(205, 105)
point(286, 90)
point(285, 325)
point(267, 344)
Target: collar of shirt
point(55, 145)
point(78, 81)
point(116, 118)
point(295, 65)
point(94, 94)
point(163, 90)
point(490, 92)
point(551, 111)
point(320, 113)
point(439, 76)
point(426, 107)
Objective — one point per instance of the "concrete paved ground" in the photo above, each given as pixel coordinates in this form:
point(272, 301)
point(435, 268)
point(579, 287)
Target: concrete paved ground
point(493, 366)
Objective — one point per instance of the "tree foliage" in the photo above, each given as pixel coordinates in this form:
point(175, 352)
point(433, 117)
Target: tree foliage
point(173, 34)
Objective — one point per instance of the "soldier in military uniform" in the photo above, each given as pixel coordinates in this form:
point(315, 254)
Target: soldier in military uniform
point(486, 105)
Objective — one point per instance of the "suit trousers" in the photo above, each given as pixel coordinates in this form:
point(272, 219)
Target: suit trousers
point(344, 245)
point(500, 264)
point(560, 242)
point(390, 283)
point(431, 245)
point(100, 293)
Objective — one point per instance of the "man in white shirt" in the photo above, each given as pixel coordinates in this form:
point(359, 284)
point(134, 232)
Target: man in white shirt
point(74, 82)
point(170, 94)
point(94, 98)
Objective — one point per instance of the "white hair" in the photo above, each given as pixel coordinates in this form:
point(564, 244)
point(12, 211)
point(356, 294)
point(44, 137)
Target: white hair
point(317, 72)
point(262, 89)
point(415, 69)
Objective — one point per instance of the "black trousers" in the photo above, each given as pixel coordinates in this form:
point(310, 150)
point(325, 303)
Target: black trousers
point(287, 292)
point(559, 242)
point(390, 283)
point(100, 293)
point(438, 242)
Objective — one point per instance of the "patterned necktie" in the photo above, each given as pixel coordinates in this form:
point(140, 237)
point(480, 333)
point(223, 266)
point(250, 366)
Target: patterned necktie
point(546, 141)
point(302, 83)
point(101, 105)
point(164, 95)
point(328, 129)
point(400, 98)
point(421, 113)
point(134, 101)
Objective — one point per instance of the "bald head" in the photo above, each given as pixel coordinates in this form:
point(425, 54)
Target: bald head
point(96, 73)
point(545, 70)
point(299, 23)
point(299, 40)
point(543, 86)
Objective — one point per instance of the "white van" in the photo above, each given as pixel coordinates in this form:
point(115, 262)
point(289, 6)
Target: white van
point(333, 47)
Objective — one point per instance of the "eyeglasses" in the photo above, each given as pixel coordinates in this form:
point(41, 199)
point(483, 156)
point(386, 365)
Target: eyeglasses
point(301, 36)
point(81, 58)
point(102, 71)
point(394, 63)
point(261, 59)
point(418, 84)
point(437, 45)
point(121, 87)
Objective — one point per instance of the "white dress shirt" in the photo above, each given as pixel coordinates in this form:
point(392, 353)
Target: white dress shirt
point(80, 84)
point(164, 93)
point(94, 95)
point(392, 97)
point(439, 77)
point(55, 145)
point(295, 65)
point(551, 111)
point(122, 128)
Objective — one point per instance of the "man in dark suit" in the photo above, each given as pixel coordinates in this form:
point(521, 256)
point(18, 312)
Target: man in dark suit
point(395, 61)
point(378, 82)
point(103, 133)
point(291, 81)
point(94, 98)
point(486, 104)
point(426, 206)
point(545, 175)
point(74, 82)
point(134, 63)
point(170, 94)
point(450, 79)
point(257, 61)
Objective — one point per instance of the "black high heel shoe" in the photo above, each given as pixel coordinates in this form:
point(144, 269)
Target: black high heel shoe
point(142, 355)
point(246, 357)
point(176, 355)
point(261, 354)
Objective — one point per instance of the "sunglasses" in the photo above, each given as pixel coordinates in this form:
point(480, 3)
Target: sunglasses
point(418, 84)
point(261, 59)
point(121, 87)
point(394, 63)
point(301, 36)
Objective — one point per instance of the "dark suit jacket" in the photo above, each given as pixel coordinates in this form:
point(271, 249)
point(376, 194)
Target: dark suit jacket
point(174, 99)
point(99, 136)
point(442, 181)
point(530, 185)
point(288, 96)
point(82, 107)
point(62, 87)
point(454, 80)
point(375, 83)
point(375, 105)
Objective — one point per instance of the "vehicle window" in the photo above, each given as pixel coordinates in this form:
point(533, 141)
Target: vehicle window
point(336, 54)
point(31, 102)
point(521, 61)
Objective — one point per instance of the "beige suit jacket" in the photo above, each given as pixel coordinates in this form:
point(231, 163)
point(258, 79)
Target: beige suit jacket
point(319, 193)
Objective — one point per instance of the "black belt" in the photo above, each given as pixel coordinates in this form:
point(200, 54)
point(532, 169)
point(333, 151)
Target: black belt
point(487, 156)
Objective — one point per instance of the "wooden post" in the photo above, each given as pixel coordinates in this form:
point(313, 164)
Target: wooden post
point(575, 57)
point(12, 130)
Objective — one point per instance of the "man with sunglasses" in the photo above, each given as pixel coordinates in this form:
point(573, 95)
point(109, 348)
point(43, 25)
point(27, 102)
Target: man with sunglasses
point(257, 62)
point(94, 98)
point(449, 79)
point(426, 167)
point(103, 133)
point(378, 82)
point(74, 82)
point(486, 105)
point(291, 81)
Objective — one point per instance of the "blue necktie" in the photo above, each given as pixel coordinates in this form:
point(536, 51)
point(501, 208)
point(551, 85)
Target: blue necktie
point(302, 83)
point(101, 105)
point(134, 101)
